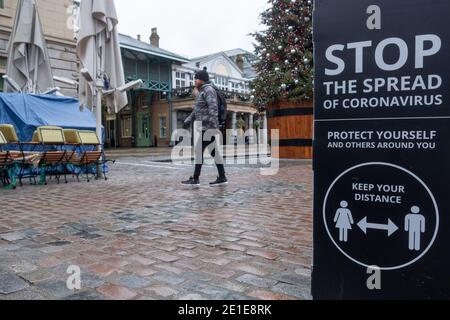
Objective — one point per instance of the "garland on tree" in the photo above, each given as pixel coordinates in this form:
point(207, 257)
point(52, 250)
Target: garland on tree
point(285, 54)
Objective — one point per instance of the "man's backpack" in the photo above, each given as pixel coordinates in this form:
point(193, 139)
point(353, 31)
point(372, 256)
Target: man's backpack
point(222, 104)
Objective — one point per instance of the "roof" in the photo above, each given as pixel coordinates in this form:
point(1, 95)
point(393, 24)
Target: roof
point(235, 52)
point(228, 53)
point(128, 42)
point(248, 72)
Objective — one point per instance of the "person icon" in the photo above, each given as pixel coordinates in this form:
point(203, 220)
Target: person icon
point(415, 225)
point(344, 221)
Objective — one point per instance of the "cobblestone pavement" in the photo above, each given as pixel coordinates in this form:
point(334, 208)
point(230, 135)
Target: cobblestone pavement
point(141, 235)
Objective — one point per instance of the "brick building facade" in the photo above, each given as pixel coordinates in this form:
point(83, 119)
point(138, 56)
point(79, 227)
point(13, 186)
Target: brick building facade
point(55, 17)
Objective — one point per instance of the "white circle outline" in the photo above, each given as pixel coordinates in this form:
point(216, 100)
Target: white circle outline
point(392, 166)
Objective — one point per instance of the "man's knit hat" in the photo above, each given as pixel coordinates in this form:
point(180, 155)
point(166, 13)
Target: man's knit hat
point(202, 75)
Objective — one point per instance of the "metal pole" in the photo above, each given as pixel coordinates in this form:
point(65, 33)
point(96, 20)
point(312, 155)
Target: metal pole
point(98, 94)
point(36, 69)
point(98, 116)
point(98, 123)
point(27, 67)
point(98, 110)
point(172, 126)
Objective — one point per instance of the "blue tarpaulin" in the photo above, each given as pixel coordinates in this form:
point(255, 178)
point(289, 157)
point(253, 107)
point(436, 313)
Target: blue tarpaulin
point(27, 112)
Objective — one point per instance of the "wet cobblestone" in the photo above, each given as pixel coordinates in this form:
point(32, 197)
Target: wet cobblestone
point(141, 235)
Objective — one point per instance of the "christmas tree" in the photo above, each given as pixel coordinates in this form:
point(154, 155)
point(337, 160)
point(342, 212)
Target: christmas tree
point(285, 53)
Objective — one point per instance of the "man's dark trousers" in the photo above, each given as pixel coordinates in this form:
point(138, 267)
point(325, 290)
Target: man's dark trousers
point(199, 164)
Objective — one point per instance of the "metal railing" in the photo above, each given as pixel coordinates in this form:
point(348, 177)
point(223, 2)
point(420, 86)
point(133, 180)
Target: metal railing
point(187, 93)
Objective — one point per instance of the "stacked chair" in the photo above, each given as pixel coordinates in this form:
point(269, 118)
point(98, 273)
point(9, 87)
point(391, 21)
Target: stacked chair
point(84, 154)
point(54, 156)
point(6, 165)
point(53, 153)
point(25, 161)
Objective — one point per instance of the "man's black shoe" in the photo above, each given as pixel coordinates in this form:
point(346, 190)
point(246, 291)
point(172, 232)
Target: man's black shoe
point(191, 182)
point(219, 182)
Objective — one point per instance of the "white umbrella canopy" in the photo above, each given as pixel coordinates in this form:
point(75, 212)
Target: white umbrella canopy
point(28, 62)
point(99, 52)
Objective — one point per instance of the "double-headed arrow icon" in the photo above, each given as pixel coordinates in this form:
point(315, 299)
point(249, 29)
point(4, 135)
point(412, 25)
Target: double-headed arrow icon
point(391, 228)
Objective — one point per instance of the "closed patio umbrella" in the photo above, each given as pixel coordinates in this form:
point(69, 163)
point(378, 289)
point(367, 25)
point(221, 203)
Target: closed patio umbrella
point(28, 62)
point(99, 52)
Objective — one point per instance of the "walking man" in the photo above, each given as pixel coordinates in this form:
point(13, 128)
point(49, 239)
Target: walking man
point(206, 112)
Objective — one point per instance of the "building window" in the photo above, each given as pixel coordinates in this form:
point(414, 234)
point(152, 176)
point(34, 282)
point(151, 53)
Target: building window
point(246, 87)
point(162, 127)
point(2, 5)
point(221, 82)
point(126, 127)
point(180, 80)
point(1, 82)
point(2, 62)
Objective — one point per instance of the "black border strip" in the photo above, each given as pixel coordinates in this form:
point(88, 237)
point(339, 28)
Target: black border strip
point(291, 112)
point(296, 143)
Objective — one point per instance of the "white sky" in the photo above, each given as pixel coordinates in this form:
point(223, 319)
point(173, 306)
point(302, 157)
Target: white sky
point(193, 28)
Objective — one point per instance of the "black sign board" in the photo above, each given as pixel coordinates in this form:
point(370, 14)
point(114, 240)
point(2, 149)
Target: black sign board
point(382, 149)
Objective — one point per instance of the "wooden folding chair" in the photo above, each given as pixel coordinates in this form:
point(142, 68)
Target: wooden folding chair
point(73, 140)
point(90, 158)
point(24, 159)
point(49, 136)
point(7, 174)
